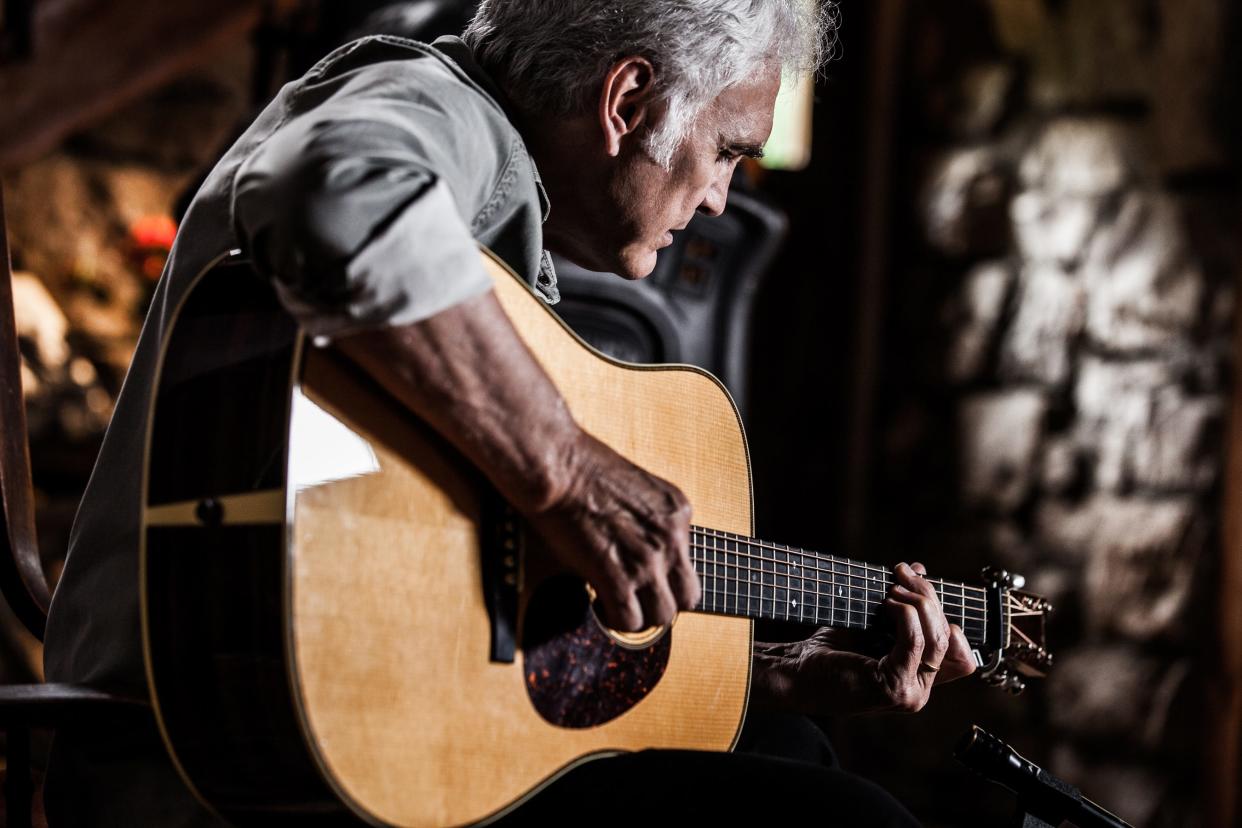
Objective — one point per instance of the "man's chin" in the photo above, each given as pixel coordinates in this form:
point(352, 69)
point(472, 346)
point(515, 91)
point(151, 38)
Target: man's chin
point(630, 265)
point(637, 266)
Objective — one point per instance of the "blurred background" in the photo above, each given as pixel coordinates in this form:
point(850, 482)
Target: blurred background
point(979, 309)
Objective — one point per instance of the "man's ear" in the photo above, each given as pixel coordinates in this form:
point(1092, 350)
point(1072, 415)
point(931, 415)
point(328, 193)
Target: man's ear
point(625, 101)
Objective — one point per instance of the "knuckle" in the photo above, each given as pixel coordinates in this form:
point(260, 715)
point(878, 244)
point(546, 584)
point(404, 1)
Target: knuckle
point(904, 698)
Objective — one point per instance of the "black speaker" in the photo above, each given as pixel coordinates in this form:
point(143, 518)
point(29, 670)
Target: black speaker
point(695, 306)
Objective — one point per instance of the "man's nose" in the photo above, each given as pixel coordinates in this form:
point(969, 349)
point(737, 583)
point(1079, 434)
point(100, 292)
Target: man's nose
point(717, 195)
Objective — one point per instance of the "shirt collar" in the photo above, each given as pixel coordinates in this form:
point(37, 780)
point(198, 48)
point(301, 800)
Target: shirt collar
point(456, 49)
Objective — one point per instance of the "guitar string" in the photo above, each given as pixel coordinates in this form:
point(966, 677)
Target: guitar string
point(978, 629)
point(946, 598)
point(957, 610)
point(871, 574)
point(775, 547)
point(869, 585)
point(868, 596)
point(967, 611)
point(817, 558)
point(716, 600)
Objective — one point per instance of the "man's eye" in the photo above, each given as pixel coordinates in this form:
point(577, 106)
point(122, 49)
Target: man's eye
point(728, 155)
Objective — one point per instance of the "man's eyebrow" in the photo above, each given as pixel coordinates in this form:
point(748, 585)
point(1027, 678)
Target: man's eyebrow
point(749, 150)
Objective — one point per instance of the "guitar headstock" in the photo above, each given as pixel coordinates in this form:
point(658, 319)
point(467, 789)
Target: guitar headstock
point(1016, 646)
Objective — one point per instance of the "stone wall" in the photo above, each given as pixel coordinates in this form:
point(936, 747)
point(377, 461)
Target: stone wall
point(1059, 357)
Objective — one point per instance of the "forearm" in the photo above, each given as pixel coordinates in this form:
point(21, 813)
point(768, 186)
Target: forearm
point(815, 678)
point(466, 372)
point(773, 676)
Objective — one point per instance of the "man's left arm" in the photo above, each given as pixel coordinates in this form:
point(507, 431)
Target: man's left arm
point(819, 677)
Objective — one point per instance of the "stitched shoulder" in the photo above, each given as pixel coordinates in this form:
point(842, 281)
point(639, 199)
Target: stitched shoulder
point(509, 173)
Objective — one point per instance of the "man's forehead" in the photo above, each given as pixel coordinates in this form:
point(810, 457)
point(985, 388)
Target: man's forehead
point(744, 111)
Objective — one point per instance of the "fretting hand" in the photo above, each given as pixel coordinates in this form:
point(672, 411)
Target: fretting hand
point(821, 675)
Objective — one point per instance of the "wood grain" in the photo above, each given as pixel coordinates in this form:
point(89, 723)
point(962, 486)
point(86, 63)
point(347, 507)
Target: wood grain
point(414, 725)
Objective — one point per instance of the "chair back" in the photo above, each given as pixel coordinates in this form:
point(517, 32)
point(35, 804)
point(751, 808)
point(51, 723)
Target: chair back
point(22, 580)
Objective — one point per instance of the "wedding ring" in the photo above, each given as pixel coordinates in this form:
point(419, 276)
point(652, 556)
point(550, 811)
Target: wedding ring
point(924, 667)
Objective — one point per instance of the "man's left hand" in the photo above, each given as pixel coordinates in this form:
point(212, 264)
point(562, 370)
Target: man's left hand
point(824, 676)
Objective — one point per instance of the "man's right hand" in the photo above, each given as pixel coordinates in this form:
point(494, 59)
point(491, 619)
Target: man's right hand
point(625, 531)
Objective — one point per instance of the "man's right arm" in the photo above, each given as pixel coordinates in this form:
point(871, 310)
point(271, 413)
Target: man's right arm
point(355, 212)
point(466, 372)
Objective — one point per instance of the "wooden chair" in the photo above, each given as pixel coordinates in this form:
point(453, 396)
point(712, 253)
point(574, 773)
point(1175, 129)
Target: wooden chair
point(28, 707)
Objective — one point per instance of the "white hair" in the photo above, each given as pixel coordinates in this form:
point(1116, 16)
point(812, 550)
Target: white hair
point(552, 55)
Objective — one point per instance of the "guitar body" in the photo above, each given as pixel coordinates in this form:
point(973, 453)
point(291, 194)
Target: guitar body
point(341, 621)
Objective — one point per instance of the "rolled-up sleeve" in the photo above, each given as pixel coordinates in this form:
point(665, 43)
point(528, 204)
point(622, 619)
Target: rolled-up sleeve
point(355, 211)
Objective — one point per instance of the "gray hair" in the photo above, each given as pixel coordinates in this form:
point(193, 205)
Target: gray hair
point(552, 55)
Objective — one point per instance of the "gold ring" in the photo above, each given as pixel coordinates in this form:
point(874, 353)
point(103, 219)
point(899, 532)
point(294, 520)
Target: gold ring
point(924, 667)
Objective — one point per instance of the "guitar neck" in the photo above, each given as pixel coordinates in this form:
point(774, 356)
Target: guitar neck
point(757, 579)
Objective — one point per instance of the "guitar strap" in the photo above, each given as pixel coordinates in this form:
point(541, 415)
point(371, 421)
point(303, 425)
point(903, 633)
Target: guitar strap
point(21, 570)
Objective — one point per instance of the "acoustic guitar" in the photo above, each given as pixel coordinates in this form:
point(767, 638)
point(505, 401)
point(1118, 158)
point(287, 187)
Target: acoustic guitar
point(343, 623)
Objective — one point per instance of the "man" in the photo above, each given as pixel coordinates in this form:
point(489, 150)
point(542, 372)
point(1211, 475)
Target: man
point(362, 191)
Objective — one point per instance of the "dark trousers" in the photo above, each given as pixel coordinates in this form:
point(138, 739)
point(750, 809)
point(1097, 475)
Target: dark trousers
point(783, 773)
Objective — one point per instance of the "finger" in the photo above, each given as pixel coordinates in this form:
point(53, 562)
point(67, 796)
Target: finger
point(919, 569)
point(621, 610)
point(620, 606)
point(907, 652)
point(959, 660)
point(900, 683)
point(911, 579)
point(657, 602)
point(684, 582)
point(935, 626)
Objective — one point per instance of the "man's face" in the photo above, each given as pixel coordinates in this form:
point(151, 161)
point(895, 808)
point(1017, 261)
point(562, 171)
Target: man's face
point(650, 203)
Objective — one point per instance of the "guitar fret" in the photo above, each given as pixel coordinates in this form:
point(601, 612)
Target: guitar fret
point(790, 584)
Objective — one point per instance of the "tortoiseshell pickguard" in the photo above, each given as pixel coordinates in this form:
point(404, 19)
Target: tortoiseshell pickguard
point(575, 674)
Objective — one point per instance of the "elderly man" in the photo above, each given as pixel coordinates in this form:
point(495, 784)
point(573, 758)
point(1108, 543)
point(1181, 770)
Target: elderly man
point(596, 129)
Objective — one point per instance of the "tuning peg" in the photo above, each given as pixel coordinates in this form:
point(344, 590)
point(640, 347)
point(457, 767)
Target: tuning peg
point(998, 678)
point(1000, 577)
point(1014, 685)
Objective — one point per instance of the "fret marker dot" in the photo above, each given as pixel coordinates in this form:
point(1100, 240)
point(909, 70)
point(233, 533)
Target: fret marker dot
point(793, 603)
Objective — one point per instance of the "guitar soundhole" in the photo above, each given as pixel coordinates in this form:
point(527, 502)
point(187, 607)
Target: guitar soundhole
point(576, 674)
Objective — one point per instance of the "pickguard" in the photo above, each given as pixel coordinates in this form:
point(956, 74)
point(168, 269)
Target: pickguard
point(575, 674)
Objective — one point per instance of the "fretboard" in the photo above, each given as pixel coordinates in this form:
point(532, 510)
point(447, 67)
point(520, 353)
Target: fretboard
point(757, 579)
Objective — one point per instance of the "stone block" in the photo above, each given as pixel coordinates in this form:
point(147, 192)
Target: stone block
point(980, 100)
point(1118, 695)
point(1142, 561)
point(963, 202)
point(1143, 429)
point(1115, 401)
point(1061, 466)
point(999, 434)
point(1181, 448)
point(984, 294)
point(1145, 290)
point(1132, 790)
point(1049, 317)
point(1080, 157)
point(1053, 229)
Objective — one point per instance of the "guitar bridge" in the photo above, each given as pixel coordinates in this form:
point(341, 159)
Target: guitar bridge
point(500, 555)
